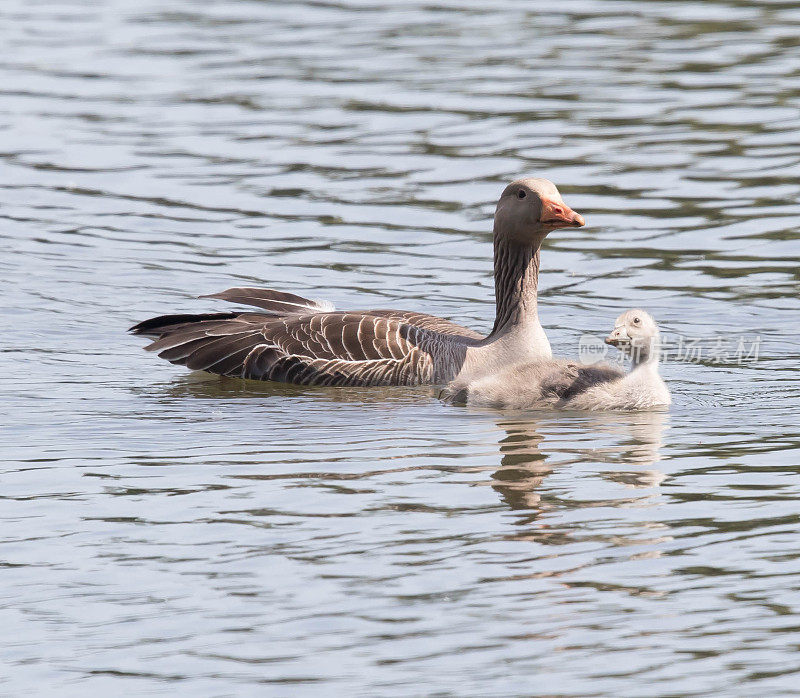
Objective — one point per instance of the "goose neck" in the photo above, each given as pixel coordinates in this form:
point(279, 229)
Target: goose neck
point(646, 355)
point(516, 281)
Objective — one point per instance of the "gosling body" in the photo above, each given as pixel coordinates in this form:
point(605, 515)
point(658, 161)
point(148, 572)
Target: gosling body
point(564, 384)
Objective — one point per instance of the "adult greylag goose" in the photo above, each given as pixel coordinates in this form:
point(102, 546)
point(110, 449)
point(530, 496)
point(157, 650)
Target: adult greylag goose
point(559, 383)
point(296, 340)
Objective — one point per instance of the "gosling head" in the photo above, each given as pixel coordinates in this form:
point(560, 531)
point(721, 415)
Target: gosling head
point(529, 209)
point(636, 335)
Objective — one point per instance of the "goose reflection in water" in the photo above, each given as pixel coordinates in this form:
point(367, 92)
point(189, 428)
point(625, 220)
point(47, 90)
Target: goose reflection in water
point(532, 445)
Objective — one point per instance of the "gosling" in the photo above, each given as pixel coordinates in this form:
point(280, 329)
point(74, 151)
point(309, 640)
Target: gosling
point(563, 384)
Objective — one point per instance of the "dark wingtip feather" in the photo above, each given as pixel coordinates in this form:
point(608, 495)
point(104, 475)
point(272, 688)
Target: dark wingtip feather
point(158, 325)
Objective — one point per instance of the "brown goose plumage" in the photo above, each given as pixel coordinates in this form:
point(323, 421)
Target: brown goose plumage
point(297, 340)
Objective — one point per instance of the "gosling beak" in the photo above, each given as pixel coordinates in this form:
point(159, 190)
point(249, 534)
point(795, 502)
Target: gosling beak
point(559, 215)
point(618, 337)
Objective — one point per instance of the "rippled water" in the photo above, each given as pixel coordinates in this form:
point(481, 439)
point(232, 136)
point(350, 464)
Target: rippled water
point(163, 532)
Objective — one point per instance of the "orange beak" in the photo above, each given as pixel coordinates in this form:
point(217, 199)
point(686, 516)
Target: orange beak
point(559, 215)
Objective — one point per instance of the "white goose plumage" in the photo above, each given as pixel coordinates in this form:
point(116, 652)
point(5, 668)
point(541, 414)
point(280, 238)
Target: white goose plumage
point(297, 340)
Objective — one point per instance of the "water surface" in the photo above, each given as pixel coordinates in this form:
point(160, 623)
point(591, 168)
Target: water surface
point(167, 533)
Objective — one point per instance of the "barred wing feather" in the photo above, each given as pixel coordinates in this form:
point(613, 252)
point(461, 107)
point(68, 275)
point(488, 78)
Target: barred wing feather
point(297, 340)
point(316, 349)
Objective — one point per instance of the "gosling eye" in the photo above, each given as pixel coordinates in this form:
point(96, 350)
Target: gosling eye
point(521, 194)
point(636, 320)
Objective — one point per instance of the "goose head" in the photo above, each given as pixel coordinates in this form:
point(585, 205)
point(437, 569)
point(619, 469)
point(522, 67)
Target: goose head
point(529, 209)
point(635, 333)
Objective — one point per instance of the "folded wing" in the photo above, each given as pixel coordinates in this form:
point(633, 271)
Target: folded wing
point(568, 379)
point(316, 349)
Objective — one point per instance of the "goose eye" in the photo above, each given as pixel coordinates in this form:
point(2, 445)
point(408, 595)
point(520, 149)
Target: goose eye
point(521, 194)
point(636, 321)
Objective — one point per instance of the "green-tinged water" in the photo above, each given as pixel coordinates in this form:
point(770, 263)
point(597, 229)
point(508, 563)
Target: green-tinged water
point(164, 533)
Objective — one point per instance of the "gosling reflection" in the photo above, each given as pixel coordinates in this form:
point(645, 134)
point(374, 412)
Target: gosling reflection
point(636, 439)
point(641, 448)
point(645, 431)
